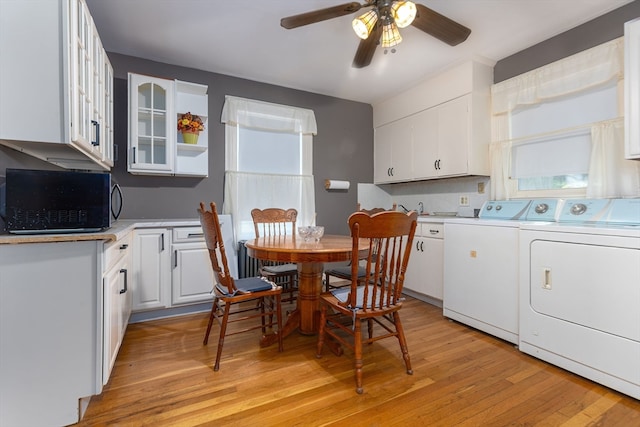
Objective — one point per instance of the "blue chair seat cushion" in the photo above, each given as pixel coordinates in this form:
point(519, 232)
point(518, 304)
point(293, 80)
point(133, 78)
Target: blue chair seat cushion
point(342, 294)
point(345, 271)
point(248, 285)
point(280, 269)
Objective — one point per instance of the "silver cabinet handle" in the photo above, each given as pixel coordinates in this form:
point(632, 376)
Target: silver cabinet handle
point(124, 271)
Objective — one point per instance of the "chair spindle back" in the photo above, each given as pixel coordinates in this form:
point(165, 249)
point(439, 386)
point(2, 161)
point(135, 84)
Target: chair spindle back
point(390, 235)
point(213, 238)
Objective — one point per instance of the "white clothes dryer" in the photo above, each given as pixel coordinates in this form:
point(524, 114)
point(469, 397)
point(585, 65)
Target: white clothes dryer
point(580, 292)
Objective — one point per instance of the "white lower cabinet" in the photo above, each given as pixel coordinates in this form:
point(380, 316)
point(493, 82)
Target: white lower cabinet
point(151, 268)
point(171, 267)
point(192, 277)
point(50, 331)
point(425, 272)
point(116, 299)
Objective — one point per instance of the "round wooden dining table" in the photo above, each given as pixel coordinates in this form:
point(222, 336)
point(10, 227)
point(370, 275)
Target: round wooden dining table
point(310, 257)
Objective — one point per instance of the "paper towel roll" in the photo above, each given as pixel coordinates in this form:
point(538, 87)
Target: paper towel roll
point(331, 184)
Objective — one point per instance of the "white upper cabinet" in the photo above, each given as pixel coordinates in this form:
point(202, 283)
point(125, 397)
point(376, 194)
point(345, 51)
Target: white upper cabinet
point(632, 88)
point(56, 84)
point(445, 130)
point(155, 145)
point(392, 152)
point(150, 125)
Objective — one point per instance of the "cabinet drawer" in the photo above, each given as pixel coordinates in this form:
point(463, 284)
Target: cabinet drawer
point(114, 251)
point(187, 234)
point(427, 229)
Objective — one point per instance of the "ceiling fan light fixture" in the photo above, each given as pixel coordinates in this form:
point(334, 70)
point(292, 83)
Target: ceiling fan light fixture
point(390, 35)
point(404, 12)
point(363, 25)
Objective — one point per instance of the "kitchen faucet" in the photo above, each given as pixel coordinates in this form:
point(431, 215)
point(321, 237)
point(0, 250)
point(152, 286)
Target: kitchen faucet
point(420, 208)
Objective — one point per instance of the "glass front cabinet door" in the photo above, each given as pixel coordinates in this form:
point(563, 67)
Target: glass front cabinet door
point(151, 125)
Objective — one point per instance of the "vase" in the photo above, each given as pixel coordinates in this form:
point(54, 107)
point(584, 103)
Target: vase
point(190, 137)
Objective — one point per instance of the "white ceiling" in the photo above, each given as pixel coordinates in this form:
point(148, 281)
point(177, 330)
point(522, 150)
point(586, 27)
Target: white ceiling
point(243, 38)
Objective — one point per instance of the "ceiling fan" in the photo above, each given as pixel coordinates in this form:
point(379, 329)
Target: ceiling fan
point(380, 24)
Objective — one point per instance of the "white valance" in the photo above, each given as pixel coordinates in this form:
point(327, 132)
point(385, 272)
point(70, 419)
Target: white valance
point(575, 73)
point(267, 116)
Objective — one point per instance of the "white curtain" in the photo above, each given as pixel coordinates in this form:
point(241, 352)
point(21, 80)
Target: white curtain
point(610, 174)
point(576, 73)
point(244, 191)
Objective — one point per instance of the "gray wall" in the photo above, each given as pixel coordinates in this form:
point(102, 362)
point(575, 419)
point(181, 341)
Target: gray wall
point(345, 133)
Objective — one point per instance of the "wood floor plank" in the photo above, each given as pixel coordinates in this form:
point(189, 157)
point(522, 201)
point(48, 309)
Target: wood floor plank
point(163, 376)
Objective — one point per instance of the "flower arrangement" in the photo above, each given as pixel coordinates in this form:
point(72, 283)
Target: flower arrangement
point(190, 123)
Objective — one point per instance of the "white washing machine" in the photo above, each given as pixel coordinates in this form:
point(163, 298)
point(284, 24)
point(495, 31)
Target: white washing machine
point(481, 264)
point(580, 291)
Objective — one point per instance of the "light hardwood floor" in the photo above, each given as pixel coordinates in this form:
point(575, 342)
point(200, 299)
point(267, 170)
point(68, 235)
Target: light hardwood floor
point(462, 377)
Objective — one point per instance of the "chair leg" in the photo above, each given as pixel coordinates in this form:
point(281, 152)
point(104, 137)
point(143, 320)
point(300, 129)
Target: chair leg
point(261, 304)
point(223, 331)
point(403, 342)
point(357, 337)
point(214, 307)
point(279, 321)
point(370, 329)
point(323, 320)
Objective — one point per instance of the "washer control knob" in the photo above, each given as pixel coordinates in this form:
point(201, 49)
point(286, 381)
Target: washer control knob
point(578, 209)
point(489, 207)
point(499, 207)
point(541, 208)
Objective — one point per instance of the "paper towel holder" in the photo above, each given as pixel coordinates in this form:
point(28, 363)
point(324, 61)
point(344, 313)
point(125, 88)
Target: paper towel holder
point(336, 185)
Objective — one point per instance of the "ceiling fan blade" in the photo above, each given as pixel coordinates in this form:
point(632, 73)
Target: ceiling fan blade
point(367, 48)
point(439, 26)
point(319, 15)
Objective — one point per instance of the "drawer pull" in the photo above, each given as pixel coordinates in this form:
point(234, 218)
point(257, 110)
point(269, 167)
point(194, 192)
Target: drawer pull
point(124, 271)
point(125, 246)
point(195, 235)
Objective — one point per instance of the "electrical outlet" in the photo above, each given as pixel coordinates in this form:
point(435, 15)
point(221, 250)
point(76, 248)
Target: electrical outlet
point(481, 188)
point(464, 200)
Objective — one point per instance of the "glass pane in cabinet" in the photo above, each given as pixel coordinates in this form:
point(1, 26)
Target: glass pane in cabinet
point(159, 125)
point(144, 96)
point(159, 151)
point(144, 124)
point(159, 98)
point(145, 147)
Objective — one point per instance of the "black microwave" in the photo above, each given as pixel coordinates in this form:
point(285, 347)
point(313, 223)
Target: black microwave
point(43, 201)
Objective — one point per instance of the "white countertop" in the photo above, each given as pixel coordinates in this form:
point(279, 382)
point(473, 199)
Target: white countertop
point(441, 219)
point(118, 229)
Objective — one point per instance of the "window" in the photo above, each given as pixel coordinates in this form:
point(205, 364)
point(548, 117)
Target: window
point(268, 160)
point(552, 140)
point(557, 130)
point(269, 152)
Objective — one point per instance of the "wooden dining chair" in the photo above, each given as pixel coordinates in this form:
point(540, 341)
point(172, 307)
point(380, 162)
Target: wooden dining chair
point(375, 298)
point(343, 272)
point(277, 222)
point(229, 292)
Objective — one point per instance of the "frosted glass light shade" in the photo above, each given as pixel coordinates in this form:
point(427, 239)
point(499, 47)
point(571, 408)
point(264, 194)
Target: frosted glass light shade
point(390, 35)
point(404, 12)
point(365, 23)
